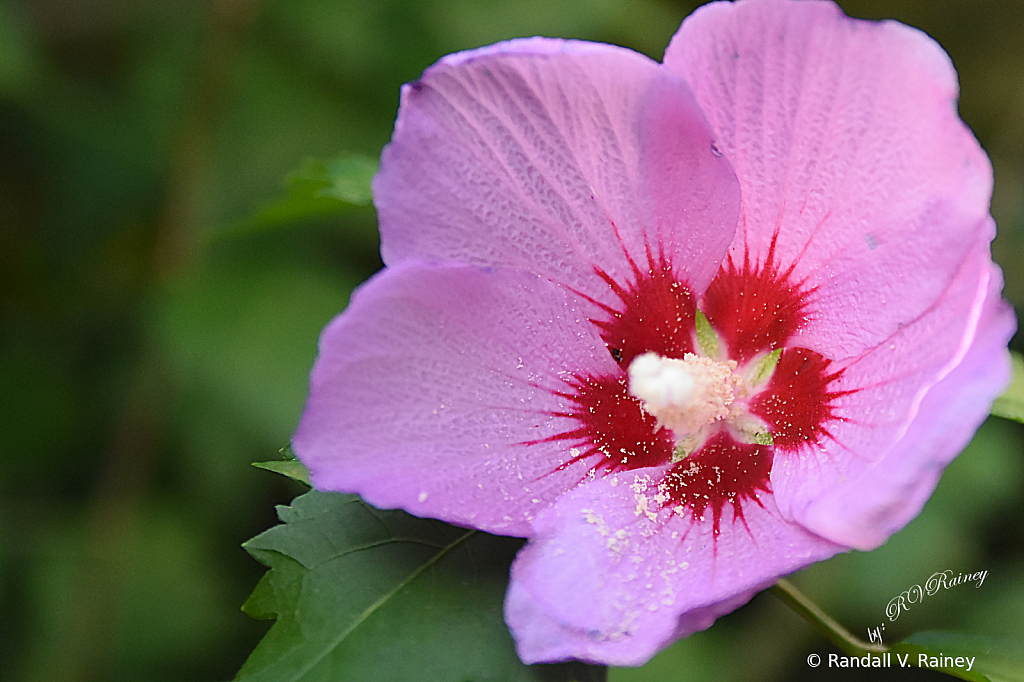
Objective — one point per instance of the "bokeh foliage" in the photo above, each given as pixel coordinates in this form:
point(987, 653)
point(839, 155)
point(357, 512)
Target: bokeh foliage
point(156, 328)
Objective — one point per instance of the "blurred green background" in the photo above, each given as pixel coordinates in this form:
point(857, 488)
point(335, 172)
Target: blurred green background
point(154, 344)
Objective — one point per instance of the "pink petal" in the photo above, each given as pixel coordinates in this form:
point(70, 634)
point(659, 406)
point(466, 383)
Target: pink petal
point(427, 388)
point(846, 141)
point(918, 397)
point(608, 577)
point(555, 156)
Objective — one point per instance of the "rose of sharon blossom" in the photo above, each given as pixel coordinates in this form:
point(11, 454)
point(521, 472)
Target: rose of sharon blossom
point(687, 327)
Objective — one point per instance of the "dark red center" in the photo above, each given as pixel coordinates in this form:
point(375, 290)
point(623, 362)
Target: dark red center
point(754, 309)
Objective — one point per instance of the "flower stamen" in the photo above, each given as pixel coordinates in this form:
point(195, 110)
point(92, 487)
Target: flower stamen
point(687, 394)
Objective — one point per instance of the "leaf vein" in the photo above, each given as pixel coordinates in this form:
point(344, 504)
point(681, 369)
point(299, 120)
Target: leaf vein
point(372, 608)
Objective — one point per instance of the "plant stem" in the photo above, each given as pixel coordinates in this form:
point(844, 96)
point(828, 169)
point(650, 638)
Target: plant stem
point(836, 633)
point(846, 641)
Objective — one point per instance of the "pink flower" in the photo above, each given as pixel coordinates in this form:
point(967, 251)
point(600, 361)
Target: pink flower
point(687, 327)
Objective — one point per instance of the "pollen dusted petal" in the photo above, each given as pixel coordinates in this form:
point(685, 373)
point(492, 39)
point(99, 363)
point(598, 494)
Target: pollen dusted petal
point(722, 472)
point(428, 385)
point(607, 579)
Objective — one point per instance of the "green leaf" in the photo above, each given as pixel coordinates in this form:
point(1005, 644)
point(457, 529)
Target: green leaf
point(293, 469)
point(318, 189)
point(361, 594)
point(348, 178)
point(995, 660)
point(1010, 405)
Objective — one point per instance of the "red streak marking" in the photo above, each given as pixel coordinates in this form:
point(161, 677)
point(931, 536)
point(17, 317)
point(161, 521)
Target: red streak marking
point(657, 314)
point(723, 471)
point(614, 425)
point(754, 309)
point(796, 404)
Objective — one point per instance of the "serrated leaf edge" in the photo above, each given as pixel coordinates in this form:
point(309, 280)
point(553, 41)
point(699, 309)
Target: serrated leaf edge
point(372, 608)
